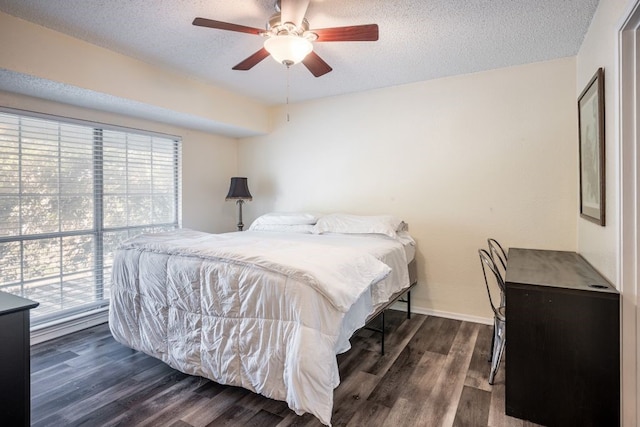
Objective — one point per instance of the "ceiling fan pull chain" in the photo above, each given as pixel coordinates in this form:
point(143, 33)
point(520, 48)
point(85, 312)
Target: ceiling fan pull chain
point(288, 71)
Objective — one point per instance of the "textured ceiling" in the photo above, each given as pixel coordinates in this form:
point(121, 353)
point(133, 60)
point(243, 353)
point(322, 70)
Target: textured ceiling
point(419, 39)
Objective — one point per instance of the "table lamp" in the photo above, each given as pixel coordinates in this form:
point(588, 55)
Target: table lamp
point(239, 191)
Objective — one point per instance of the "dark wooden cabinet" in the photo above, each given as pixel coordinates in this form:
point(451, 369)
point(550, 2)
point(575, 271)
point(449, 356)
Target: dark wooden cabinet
point(562, 341)
point(15, 371)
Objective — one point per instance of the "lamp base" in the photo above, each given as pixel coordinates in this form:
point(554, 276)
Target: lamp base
point(240, 224)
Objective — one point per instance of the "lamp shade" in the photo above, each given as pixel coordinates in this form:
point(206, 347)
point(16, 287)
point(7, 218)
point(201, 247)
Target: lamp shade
point(239, 189)
point(288, 49)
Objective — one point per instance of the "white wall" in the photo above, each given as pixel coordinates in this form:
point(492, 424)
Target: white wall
point(33, 50)
point(599, 245)
point(491, 154)
point(207, 161)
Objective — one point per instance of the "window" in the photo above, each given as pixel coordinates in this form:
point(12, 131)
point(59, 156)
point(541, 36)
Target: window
point(70, 192)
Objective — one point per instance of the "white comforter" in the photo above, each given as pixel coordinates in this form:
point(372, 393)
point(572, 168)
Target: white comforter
point(264, 311)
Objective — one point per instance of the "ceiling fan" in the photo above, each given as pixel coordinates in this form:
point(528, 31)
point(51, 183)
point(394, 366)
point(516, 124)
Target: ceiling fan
point(289, 40)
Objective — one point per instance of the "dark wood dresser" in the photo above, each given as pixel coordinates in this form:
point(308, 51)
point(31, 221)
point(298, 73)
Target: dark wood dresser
point(15, 367)
point(562, 341)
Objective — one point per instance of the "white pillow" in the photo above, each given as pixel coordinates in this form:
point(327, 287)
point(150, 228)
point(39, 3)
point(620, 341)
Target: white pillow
point(283, 228)
point(287, 218)
point(359, 224)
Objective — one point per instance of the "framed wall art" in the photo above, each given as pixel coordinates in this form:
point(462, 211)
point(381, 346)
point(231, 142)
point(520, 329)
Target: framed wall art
point(591, 148)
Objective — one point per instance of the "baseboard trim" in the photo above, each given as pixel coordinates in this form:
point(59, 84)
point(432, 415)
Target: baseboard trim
point(49, 331)
point(446, 314)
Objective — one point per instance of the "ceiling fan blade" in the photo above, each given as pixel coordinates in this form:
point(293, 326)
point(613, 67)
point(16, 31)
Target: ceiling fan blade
point(253, 60)
point(210, 23)
point(293, 11)
point(316, 65)
point(353, 33)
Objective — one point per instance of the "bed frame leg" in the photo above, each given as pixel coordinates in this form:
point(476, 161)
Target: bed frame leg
point(380, 313)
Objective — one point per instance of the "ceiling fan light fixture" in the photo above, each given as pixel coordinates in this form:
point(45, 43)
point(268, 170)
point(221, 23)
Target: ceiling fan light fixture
point(288, 49)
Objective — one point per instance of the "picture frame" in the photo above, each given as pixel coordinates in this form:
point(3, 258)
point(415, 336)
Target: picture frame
point(591, 145)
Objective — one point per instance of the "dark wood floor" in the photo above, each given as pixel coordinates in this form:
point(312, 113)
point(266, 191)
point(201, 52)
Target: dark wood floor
point(434, 373)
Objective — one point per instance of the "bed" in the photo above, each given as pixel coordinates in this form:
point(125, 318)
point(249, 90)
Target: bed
point(267, 309)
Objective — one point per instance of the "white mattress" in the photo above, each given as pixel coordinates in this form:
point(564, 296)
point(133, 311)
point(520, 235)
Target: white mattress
point(408, 244)
point(261, 310)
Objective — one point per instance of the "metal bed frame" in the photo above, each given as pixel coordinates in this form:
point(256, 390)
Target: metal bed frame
point(406, 292)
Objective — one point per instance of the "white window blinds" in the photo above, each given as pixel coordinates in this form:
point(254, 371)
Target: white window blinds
point(69, 194)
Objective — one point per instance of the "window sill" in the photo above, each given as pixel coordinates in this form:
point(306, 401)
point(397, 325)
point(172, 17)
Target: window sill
point(55, 329)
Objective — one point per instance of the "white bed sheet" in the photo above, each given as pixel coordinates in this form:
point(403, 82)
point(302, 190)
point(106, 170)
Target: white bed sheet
point(260, 310)
point(408, 244)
